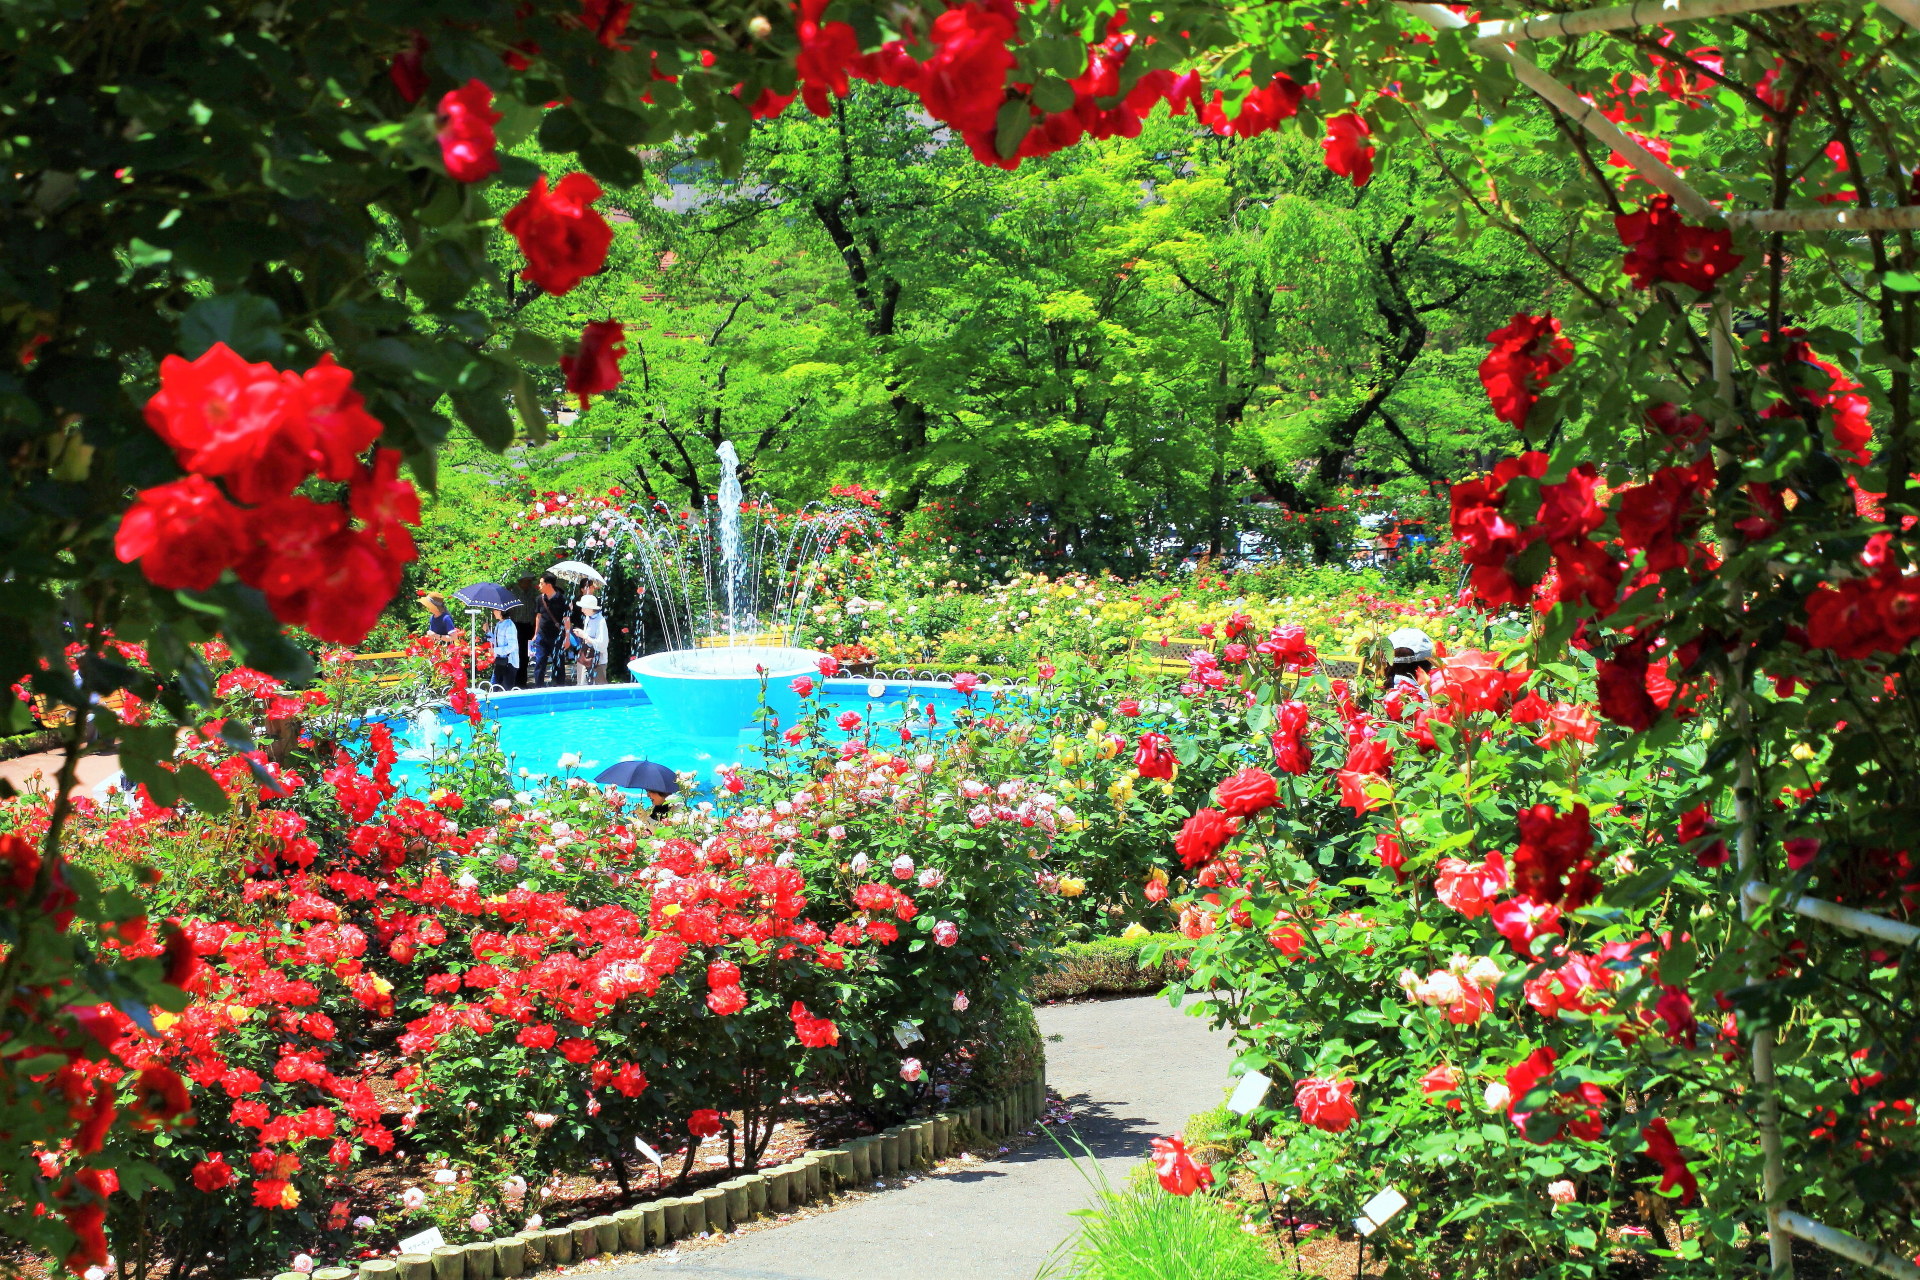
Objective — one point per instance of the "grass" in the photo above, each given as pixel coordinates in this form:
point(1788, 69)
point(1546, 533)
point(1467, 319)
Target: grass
point(1143, 1233)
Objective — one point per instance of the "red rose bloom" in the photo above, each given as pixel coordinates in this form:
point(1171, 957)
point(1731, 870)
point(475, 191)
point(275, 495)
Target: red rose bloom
point(1662, 249)
point(1673, 1166)
point(1176, 1168)
point(814, 1033)
point(1326, 1104)
point(213, 1173)
point(467, 144)
point(577, 1051)
point(184, 534)
point(727, 1000)
point(563, 239)
point(1525, 355)
point(1247, 792)
point(1202, 836)
point(594, 367)
point(1347, 152)
point(704, 1123)
point(1153, 759)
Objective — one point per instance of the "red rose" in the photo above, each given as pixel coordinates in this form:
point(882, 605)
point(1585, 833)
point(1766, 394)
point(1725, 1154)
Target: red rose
point(467, 144)
point(1290, 751)
point(1663, 249)
point(1202, 836)
point(727, 1000)
point(1673, 1166)
point(577, 1051)
point(563, 239)
point(1326, 1104)
point(1247, 792)
point(213, 1173)
point(317, 572)
point(1176, 1168)
point(184, 534)
point(594, 367)
point(1525, 355)
point(1153, 759)
point(723, 973)
point(1346, 151)
point(704, 1123)
point(386, 504)
point(408, 70)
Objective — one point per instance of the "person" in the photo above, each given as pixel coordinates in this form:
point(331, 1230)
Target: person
point(1412, 654)
point(441, 622)
point(549, 631)
point(592, 633)
point(506, 651)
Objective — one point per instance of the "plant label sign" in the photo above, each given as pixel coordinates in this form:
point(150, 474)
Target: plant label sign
point(1249, 1093)
point(424, 1242)
point(905, 1033)
point(640, 1145)
point(1375, 1212)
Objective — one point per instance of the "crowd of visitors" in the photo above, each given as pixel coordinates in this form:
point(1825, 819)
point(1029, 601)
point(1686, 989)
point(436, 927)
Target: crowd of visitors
point(569, 643)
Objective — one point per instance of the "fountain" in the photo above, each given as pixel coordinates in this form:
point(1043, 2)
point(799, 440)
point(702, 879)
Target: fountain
point(729, 584)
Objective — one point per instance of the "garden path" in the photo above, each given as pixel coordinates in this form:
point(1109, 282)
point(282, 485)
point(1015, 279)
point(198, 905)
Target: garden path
point(1132, 1070)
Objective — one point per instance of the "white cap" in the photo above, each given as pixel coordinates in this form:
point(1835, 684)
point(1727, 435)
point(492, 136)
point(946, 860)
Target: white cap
point(1412, 639)
point(591, 605)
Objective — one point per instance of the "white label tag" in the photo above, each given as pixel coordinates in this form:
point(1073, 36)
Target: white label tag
point(1375, 1212)
point(1249, 1093)
point(905, 1033)
point(647, 1151)
point(428, 1239)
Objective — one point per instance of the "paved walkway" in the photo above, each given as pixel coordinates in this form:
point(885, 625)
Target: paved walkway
point(43, 767)
point(1132, 1070)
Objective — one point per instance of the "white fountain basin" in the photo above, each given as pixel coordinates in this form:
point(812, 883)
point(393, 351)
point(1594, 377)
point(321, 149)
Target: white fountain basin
point(715, 693)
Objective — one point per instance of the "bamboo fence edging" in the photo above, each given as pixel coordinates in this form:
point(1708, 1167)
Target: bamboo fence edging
point(810, 1177)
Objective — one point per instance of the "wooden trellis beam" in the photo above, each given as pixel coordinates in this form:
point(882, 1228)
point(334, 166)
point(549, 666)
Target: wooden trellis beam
point(1618, 17)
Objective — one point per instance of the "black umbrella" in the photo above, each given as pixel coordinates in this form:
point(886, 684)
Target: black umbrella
point(641, 775)
point(486, 595)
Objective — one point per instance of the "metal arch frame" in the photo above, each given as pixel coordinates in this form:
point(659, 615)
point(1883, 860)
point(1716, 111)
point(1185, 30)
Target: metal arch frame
point(1498, 40)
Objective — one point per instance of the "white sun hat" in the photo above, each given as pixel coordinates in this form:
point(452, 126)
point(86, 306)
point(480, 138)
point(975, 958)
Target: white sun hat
point(1412, 639)
point(589, 604)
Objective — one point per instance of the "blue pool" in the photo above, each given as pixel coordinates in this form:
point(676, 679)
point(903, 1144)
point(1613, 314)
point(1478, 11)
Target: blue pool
point(610, 723)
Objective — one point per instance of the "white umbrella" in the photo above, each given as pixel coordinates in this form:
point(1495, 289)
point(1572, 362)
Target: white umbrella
point(574, 571)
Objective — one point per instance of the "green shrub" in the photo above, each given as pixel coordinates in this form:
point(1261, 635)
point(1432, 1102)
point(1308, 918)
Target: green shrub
point(1142, 1233)
point(1104, 966)
point(1010, 1051)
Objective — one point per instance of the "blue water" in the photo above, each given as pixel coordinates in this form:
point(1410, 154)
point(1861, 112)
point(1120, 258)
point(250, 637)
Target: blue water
point(618, 722)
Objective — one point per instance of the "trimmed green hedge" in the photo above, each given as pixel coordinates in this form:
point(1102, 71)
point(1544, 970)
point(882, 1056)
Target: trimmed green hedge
point(1104, 966)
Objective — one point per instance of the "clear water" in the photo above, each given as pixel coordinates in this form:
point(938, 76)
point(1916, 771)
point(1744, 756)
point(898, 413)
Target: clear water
point(617, 722)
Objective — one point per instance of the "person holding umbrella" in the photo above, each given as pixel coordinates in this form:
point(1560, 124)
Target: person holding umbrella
point(656, 780)
point(506, 651)
point(485, 596)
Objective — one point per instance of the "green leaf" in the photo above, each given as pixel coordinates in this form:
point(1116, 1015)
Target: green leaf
point(1901, 281)
point(1010, 128)
point(244, 321)
point(199, 787)
point(1052, 95)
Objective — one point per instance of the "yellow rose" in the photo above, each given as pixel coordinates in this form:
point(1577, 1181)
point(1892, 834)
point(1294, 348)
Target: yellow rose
point(162, 1020)
point(1134, 930)
point(671, 910)
point(881, 757)
point(1072, 886)
point(238, 1013)
point(1099, 725)
point(1120, 790)
point(1803, 752)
